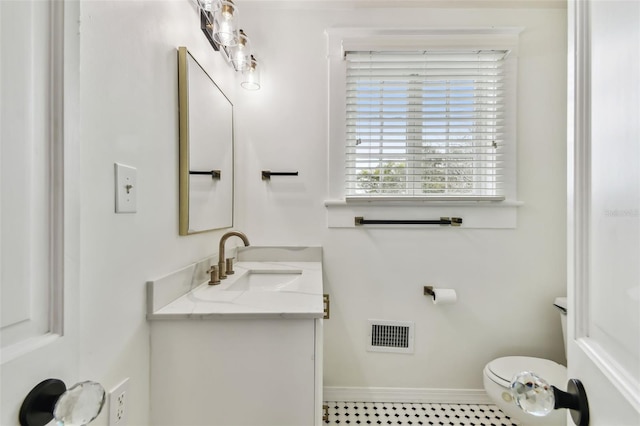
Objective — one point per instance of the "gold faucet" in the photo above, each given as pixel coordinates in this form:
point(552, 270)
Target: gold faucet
point(222, 267)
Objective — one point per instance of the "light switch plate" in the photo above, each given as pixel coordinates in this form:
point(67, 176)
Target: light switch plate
point(126, 188)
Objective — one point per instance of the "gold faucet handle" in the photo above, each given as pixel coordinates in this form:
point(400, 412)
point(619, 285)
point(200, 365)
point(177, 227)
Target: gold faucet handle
point(215, 276)
point(229, 266)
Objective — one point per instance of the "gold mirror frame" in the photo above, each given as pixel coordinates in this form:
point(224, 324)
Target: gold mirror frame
point(206, 150)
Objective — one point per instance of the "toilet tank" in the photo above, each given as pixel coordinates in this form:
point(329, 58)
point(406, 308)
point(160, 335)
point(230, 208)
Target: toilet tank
point(561, 304)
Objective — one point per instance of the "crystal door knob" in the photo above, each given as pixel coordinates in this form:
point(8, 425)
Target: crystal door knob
point(80, 404)
point(532, 394)
point(535, 396)
point(76, 406)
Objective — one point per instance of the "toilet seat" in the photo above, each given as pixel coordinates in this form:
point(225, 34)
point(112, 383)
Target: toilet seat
point(502, 370)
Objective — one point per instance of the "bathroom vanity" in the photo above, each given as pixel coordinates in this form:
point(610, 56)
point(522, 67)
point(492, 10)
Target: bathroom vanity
point(245, 352)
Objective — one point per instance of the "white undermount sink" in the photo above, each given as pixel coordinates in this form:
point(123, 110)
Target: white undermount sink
point(266, 280)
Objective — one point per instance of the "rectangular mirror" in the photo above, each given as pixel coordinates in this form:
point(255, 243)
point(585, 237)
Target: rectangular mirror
point(206, 150)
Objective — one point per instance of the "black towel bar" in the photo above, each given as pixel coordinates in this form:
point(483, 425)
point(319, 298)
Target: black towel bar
point(215, 174)
point(266, 174)
point(454, 221)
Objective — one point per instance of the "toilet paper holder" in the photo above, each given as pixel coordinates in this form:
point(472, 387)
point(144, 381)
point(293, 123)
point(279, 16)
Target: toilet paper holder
point(440, 296)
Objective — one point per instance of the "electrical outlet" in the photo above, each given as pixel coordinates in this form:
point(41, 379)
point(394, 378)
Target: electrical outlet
point(118, 404)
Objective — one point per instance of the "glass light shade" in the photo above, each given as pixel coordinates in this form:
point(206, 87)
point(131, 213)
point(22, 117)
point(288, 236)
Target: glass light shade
point(240, 54)
point(251, 76)
point(225, 22)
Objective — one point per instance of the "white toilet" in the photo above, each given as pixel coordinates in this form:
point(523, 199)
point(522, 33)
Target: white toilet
point(499, 372)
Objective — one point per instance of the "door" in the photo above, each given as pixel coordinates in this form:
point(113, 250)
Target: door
point(39, 210)
point(604, 207)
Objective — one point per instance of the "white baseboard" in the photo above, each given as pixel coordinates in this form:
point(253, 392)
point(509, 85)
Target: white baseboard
point(415, 395)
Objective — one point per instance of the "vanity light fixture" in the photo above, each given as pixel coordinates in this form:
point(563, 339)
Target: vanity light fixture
point(219, 23)
point(251, 76)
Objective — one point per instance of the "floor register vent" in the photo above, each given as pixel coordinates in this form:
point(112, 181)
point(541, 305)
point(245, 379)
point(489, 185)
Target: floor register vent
point(390, 336)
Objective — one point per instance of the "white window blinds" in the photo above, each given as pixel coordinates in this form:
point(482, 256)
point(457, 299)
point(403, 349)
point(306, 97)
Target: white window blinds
point(425, 125)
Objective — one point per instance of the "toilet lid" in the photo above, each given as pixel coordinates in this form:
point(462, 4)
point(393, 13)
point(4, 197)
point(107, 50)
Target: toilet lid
point(502, 370)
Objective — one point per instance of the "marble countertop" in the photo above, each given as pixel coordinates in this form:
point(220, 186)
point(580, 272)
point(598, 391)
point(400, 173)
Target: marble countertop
point(172, 298)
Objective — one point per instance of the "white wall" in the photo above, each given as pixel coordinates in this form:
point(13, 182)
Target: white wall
point(506, 279)
point(129, 100)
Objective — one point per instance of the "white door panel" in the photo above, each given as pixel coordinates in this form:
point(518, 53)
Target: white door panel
point(614, 274)
point(604, 207)
point(39, 209)
point(24, 172)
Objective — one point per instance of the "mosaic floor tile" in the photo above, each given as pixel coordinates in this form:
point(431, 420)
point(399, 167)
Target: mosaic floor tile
point(379, 413)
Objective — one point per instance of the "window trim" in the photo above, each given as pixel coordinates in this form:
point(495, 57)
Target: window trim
point(340, 40)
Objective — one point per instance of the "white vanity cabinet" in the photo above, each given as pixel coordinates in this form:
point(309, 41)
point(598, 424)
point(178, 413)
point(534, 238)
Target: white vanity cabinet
point(236, 372)
point(247, 352)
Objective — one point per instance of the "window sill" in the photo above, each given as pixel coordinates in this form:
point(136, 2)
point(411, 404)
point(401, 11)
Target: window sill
point(475, 214)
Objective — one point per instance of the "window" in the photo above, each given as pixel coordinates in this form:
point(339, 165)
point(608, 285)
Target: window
point(422, 125)
point(425, 124)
